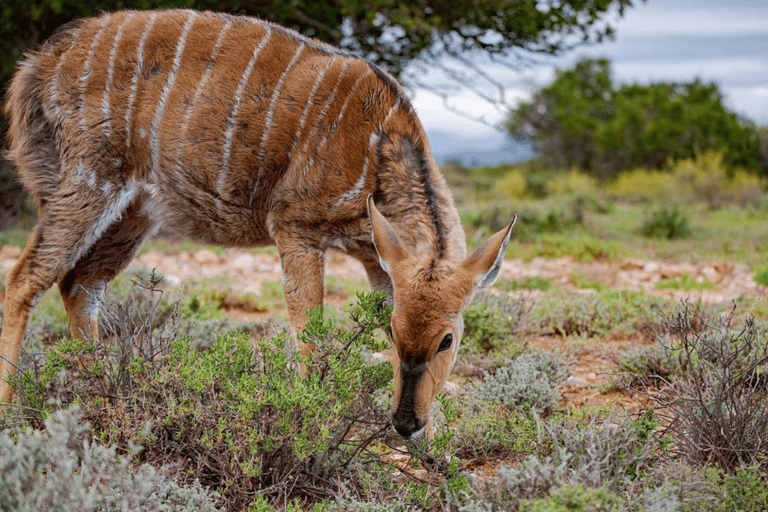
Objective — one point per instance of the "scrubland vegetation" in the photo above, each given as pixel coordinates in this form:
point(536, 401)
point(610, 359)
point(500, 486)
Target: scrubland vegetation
point(180, 408)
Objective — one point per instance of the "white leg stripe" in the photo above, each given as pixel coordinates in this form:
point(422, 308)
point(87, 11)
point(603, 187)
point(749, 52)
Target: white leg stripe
point(154, 136)
point(112, 214)
point(199, 91)
point(87, 69)
point(268, 118)
point(231, 122)
point(354, 191)
point(135, 80)
point(106, 111)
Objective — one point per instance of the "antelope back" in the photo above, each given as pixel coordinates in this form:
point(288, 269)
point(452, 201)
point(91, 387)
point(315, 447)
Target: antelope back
point(215, 116)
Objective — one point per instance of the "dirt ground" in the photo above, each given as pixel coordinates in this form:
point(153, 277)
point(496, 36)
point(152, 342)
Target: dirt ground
point(245, 271)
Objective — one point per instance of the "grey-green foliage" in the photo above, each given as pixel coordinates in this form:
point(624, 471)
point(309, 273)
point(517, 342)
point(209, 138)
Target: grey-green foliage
point(59, 468)
point(529, 380)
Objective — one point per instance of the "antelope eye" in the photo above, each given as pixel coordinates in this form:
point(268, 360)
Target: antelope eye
point(446, 343)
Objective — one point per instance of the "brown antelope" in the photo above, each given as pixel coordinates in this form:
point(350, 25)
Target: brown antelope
point(231, 130)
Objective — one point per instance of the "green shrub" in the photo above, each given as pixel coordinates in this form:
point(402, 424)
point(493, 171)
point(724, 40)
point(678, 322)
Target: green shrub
point(525, 283)
point(666, 221)
point(574, 499)
point(63, 468)
point(640, 185)
point(604, 313)
point(761, 277)
point(573, 182)
point(492, 322)
point(238, 409)
point(512, 184)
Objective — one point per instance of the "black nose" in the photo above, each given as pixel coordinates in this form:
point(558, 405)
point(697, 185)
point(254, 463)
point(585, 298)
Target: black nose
point(407, 425)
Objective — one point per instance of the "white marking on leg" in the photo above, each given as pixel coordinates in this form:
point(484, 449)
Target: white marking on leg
point(80, 171)
point(199, 91)
point(87, 69)
point(154, 136)
point(111, 214)
point(231, 121)
point(135, 80)
point(358, 187)
point(106, 111)
point(268, 117)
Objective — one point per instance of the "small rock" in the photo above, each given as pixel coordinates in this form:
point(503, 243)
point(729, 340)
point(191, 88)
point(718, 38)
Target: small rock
point(451, 389)
point(710, 274)
point(10, 251)
point(242, 262)
point(576, 382)
point(206, 257)
point(633, 264)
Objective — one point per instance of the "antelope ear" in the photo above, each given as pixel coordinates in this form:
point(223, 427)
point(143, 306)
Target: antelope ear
point(484, 263)
point(386, 241)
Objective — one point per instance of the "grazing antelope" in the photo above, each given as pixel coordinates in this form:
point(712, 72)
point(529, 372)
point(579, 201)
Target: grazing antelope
point(231, 130)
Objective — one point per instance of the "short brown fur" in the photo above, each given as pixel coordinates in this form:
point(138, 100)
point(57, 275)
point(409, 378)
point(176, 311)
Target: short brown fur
point(234, 131)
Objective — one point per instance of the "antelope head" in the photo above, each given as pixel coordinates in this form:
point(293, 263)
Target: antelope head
point(430, 295)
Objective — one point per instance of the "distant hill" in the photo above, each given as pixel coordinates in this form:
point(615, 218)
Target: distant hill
point(472, 152)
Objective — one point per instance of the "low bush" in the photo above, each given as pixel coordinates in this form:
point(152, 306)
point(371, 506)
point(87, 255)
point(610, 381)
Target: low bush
point(236, 416)
point(603, 313)
point(715, 406)
point(685, 282)
point(666, 221)
point(63, 468)
point(529, 382)
point(492, 324)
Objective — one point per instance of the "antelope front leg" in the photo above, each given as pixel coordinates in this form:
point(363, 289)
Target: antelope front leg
point(303, 273)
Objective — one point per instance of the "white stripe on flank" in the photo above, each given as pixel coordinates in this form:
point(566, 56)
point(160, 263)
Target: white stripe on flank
point(87, 69)
point(154, 136)
point(310, 102)
point(135, 80)
point(268, 118)
point(199, 91)
point(346, 102)
point(231, 121)
point(270, 112)
point(112, 214)
point(106, 111)
point(54, 87)
point(322, 115)
point(354, 191)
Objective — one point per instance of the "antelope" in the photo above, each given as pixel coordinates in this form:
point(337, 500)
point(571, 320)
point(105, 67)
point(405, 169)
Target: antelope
point(234, 131)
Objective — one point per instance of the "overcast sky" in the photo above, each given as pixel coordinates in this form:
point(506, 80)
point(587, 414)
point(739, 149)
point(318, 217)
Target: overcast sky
point(659, 40)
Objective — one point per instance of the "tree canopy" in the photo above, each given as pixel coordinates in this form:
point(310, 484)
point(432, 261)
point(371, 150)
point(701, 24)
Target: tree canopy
point(582, 119)
point(391, 33)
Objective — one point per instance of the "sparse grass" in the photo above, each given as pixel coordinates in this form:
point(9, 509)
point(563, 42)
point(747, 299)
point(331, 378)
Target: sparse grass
point(583, 283)
point(526, 283)
point(685, 282)
point(601, 314)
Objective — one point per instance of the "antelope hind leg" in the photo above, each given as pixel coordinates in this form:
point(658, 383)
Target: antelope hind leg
point(82, 287)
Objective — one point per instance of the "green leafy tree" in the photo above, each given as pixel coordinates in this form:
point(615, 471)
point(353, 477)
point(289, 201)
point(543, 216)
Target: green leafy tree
point(582, 119)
